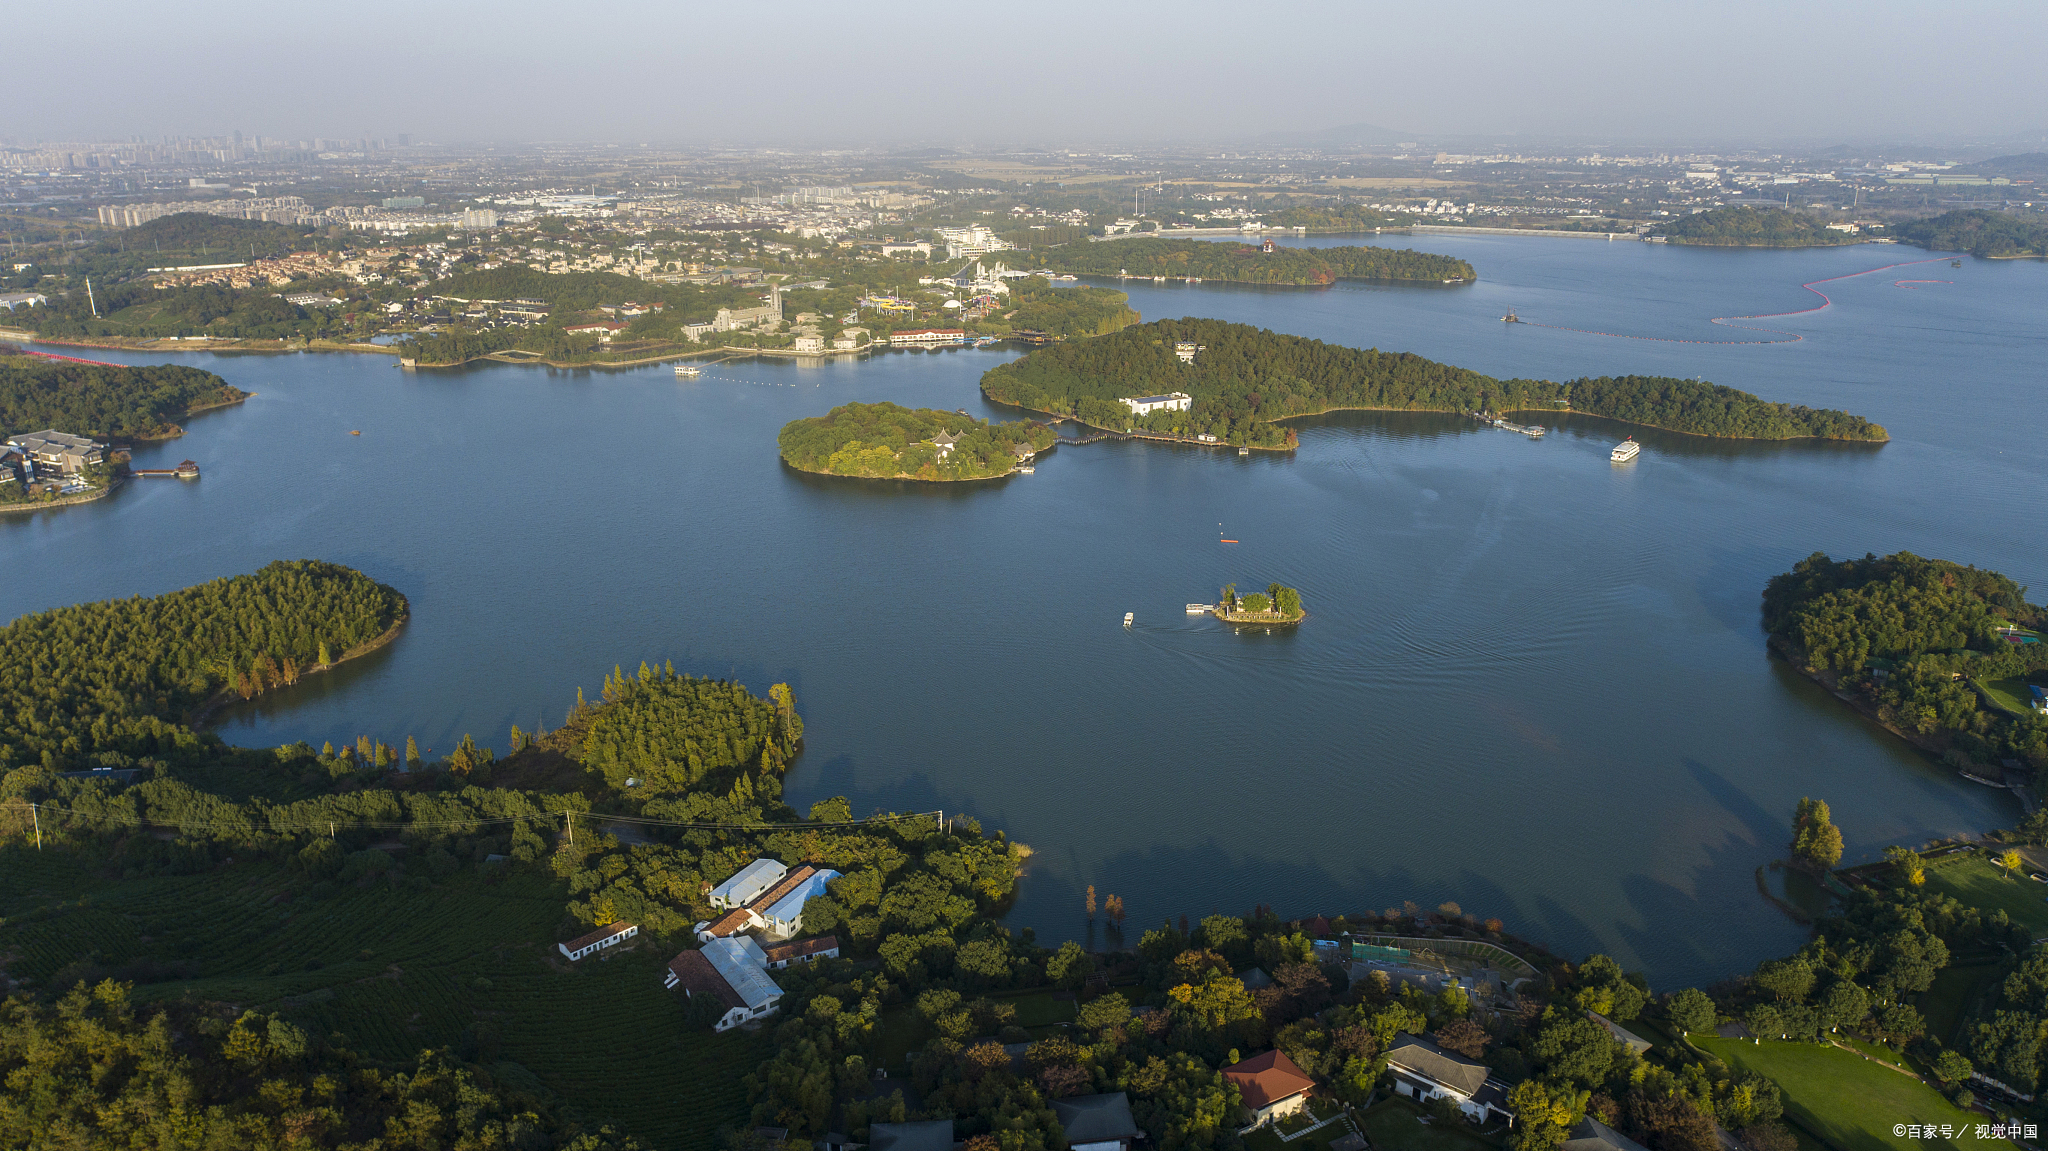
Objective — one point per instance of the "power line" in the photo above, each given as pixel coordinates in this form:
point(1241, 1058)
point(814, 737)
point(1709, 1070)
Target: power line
point(36, 810)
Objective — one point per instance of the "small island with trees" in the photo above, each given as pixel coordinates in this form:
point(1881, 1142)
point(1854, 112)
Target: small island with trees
point(1278, 604)
point(1243, 380)
point(105, 401)
point(887, 441)
point(1252, 264)
point(1992, 235)
point(1746, 227)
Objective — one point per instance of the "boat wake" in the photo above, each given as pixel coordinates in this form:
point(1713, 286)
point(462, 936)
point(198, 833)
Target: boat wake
point(1730, 321)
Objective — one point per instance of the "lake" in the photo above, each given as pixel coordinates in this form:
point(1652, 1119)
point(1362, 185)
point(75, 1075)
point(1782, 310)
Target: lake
point(1532, 682)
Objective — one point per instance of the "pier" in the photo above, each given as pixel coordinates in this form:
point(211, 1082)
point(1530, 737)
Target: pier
point(1530, 430)
point(189, 470)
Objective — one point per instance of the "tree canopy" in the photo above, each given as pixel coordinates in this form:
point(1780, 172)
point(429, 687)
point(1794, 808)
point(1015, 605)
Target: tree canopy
point(1908, 635)
point(121, 676)
point(1243, 379)
point(887, 441)
point(1979, 232)
point(104, 402)
point(1248, 264)
point(1746, 227)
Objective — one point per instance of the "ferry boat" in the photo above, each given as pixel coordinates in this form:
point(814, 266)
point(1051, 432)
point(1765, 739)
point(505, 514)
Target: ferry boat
point(1625, 451)
point(1199, 609)
point(688, 372)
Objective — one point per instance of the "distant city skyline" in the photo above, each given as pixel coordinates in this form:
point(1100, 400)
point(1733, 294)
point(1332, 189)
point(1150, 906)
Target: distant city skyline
point(1062, 74)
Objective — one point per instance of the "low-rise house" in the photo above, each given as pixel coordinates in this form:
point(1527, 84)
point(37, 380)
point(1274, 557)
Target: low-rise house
point(603, 937)
point(802, 951)
point(1097, 1122)
point(734, 974)
point(781, 907)
point(604, 331)
point(1593, 1135)
point(1623, 1035)
point(60, 452)
point(747, 884)
point(1423, 1071)
point(945, 442)
point(810, 345)
point(930, 1135)
point(1271, 1085)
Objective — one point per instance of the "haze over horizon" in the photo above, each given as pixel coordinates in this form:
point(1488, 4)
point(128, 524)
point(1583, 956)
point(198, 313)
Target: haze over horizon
point(1063, 74)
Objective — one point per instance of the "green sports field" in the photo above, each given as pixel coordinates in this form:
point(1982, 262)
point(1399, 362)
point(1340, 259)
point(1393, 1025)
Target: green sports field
point(1845, 1099)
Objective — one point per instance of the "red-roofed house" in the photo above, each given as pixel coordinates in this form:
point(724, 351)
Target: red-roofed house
point(1270, 1084)
point(603, 937)
point(803, 951)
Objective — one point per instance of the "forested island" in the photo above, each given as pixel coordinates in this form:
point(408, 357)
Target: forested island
point(1277, 604)
point(104, 401)
point(887, 441)
point(1979, 232)
point(1245, 379)
point(1745, 227)
point(1249, 264)
point(1936, 651)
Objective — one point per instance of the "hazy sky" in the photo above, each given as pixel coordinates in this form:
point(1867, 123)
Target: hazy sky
point(888, 72)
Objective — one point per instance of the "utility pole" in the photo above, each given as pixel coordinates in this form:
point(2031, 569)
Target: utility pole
point(37, 816)
point(569, 818)
point(89, 298)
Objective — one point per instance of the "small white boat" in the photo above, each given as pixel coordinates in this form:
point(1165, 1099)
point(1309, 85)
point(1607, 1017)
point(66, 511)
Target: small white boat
point(1625, 451)
point(1244, 451)
point(688, 372)
point(1128, 617)
point(1026, 469)
point(1199, 609)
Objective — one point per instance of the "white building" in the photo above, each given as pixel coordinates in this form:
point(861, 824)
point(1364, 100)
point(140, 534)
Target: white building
point(598, 940)
point(1171, 402)
point(972, 241)
point(748, 884)
point(1185, 351)
point(476, 218)
point(733, 972)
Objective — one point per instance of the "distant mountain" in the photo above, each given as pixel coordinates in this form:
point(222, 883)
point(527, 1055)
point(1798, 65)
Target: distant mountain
point(2023, 165)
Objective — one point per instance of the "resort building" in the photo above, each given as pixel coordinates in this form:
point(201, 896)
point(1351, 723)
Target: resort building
point(1185, 351)
point(1423, 1071)
point(802, 951)
point(58, 452)
point(1271, 1085)
point(603, 937)
point(926, 337)
point(776, 912)
point(747, 884)
point(1171, 402)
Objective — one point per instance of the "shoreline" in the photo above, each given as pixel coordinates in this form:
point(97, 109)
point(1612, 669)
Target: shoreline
point(62, 501)
point(899, 478)
point(198, 716)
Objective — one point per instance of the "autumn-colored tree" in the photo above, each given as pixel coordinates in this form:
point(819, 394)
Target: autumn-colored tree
point(1091, 903)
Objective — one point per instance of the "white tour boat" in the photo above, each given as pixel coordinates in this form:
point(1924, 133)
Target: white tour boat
point(688, 372)
point(1625, 451)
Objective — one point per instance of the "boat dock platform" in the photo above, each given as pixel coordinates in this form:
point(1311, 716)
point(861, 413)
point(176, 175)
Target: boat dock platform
point(189, 470)
point(1530, 430)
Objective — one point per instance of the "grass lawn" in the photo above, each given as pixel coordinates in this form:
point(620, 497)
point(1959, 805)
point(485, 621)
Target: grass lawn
point(1954, 990)
point(1397, 1123)
point(1268, 1139)
point(2010, 691)
point(1977, 883)
point(1040, 1009)
point(1846, 1100)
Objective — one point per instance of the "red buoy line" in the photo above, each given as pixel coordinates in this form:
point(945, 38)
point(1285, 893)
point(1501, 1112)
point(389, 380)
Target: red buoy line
point(1729, 321)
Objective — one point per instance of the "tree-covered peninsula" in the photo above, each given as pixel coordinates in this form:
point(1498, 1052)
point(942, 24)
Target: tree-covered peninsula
point(99, 684)
point(887, 441)
point(1941, 653)
point(1243, 379)
point(1978, 232)
point(1744, 227)
point(1248, 264)
point(102, 401)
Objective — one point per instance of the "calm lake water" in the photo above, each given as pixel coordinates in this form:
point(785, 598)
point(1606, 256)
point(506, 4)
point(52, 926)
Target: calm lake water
point(1532, 681)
